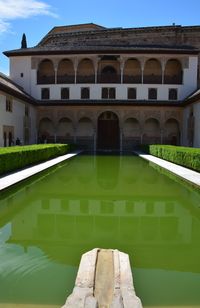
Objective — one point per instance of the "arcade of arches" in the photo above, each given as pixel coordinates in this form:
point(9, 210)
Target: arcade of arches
point(110, 69)
point(108, 129)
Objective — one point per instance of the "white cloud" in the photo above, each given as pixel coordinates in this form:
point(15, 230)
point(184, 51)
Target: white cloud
point(15, 9)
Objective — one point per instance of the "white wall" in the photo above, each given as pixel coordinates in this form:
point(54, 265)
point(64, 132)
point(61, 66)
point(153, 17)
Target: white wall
point(18, 66)
point(16, 119)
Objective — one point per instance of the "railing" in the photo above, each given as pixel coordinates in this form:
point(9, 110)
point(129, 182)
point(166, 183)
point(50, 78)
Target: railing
point(109, 78)
point(176, 79)
point(132, 79)
point(45, 79)
point(85, 79)
point(152, 79)
point(65, 79)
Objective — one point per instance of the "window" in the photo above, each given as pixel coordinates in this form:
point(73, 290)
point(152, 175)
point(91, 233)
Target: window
point(64, 93)
point(173, 94)
point(108, 93)
point(132, 93)
point(8, 104)
point(152, 93)
point(85, 93)
point(26, 110)
point(45, 93)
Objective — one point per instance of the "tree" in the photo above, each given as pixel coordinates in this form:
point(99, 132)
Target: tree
point(23, 42)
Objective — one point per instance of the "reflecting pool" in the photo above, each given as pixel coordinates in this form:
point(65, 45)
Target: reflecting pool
point(120, 202)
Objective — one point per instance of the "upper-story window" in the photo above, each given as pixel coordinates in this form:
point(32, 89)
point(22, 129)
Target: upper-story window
point(152, 93)
point(132, 94)
point(85, 93)
point(9, 104)
point(108, 93)
point(27, 110)
point(64, 93)
point(45, 93)
point(173, 94)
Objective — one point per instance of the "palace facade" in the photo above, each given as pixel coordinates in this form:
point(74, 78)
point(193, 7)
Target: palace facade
point(110, 88)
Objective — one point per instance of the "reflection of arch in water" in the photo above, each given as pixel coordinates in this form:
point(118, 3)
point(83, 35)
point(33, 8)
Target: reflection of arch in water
point(108, 131)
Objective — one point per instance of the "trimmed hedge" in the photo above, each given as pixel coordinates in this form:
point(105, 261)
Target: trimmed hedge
point(17, 157)
point(184, 156)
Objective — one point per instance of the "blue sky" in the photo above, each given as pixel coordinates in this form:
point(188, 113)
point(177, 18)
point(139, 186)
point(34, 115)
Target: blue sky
point(37, 17)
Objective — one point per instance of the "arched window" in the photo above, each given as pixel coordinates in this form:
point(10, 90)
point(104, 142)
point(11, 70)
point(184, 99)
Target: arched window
point(46, 73)
point(65, 73)
point(173, 72)
point(152, 72)
point(85, 72)
point(132, 71)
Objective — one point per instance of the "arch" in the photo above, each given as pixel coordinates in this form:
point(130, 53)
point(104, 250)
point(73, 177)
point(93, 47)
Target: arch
point(108, 131)
point(173, 72)
point(85, 127)
point(85, 71)
point(65, 73)
point(152, 72)
point(131, 127)
point(46, 130)
point(151, 131)
point(46, 72)
point(65, 130)
point(109, 70)
point(172, 132)
point(132, 71)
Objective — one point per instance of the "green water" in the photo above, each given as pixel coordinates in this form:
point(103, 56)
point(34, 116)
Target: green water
point(100, 201)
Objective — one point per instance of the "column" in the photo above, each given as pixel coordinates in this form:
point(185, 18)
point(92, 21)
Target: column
point(75, 62)
point(75, 132)
point(95, 140)
point(121, 140)
point(96, 61)
point(121, 69)
point(163, 63)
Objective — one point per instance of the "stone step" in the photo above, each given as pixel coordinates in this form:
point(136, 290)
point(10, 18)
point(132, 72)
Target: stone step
point(104, 280)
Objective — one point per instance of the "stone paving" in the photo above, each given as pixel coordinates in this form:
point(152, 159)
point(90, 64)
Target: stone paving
point(21, 175)
point(185, 173)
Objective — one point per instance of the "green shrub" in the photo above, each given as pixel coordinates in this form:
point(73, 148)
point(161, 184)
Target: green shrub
point(13, 158)
point(184, 156)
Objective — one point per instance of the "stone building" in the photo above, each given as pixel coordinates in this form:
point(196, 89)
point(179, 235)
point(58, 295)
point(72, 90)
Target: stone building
point(113, 88)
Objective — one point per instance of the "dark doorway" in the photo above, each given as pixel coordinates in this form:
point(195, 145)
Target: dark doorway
point(108, 131)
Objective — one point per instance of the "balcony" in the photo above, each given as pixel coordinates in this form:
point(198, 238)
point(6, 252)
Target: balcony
point(109, 78)
point(152, 79)
point(45, 79)
point(176, 79)
point(132, 79)
point(85, 79)
point(62, 79)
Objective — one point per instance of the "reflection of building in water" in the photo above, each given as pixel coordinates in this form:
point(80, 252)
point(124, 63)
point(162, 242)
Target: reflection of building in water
point(132, 222)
